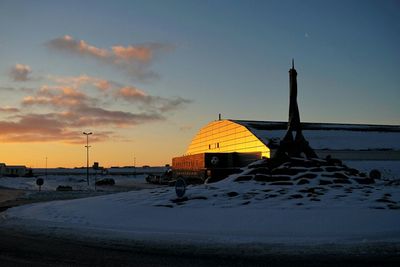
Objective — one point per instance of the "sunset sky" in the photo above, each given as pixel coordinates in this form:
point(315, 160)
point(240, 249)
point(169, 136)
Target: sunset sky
point(145, 76)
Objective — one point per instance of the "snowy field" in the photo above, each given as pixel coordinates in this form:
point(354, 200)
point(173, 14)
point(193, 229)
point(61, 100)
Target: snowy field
point(29, 190)
point(231, 212)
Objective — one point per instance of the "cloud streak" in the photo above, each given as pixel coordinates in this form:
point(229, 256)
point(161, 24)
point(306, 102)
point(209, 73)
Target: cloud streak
point(133, 59)
point(130, 94)
point(44, 128)
point(160, 104)
point(57, 96)
point(9, 110)
point(67, 126)
point(8, 89)
point(80, 109)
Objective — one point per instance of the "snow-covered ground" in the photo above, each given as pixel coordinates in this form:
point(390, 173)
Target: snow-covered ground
point(230, 212)
point(77, 182)
point(389, 169)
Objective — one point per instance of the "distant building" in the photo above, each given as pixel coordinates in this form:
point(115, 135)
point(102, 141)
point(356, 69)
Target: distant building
point(13, 170)
point(2, 168)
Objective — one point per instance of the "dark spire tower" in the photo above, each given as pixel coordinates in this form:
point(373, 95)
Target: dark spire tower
point(294, 116)
point(298, 145)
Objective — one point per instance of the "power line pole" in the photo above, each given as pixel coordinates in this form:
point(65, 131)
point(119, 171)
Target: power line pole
point(134, 164)
point(87, 155)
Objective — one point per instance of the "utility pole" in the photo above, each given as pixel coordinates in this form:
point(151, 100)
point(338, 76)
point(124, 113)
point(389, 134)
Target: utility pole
point(134, 164)
point(87, 155)
point(46, 169)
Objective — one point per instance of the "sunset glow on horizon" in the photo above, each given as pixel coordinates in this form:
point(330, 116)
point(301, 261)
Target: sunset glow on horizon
point(146, 76)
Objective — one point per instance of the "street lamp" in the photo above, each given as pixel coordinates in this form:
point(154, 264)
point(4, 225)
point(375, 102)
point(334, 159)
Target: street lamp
point(87, 155)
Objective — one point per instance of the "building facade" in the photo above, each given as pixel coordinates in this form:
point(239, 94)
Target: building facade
point(12, 170)
point(226, 136)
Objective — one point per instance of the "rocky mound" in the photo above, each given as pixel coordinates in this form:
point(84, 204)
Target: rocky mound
point(299, 171)
point(296, 183)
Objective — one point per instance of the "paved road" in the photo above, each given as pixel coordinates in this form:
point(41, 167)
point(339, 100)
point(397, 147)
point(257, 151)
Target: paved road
point(22, 249)
point(28, 249)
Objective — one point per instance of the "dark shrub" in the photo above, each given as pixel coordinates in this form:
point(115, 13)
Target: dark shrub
point(107, 181)
point(64, 188)
point(375, 174)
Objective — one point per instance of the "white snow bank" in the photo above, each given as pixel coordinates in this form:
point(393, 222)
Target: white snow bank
point(144, 215)
point(218, 225)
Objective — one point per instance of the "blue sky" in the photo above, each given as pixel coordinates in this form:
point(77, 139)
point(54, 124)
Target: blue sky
point(229, 57)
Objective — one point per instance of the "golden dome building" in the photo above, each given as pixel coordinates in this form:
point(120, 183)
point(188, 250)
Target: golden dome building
point(222, 147)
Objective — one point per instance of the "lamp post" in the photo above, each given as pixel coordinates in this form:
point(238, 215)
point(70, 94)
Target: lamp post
point(46, 169)
point(87, 155)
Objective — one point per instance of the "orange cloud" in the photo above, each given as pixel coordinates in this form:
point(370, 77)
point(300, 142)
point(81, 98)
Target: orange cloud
point(97, 52)
point(57, 96)
point(103, 85)
point(78, 81)
point(140, 53)
point(127, 93)
point(81, 47)
point(133, 59)
point(20, 72)
point(131, 92)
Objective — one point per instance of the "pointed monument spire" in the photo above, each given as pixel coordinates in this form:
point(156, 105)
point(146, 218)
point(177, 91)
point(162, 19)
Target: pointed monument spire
point(294, 146)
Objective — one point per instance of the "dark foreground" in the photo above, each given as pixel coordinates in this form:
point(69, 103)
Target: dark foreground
point(28, 249)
